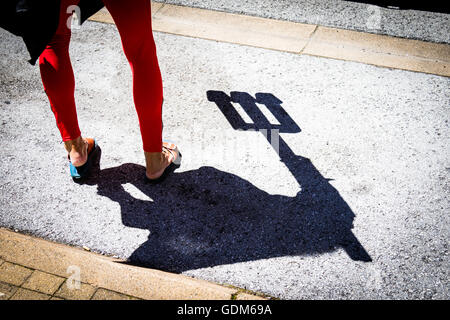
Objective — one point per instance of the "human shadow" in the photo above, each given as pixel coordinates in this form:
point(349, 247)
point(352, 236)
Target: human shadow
point(207, 217)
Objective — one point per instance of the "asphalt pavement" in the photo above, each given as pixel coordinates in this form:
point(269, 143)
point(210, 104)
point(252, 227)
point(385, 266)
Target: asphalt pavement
point(353, 206)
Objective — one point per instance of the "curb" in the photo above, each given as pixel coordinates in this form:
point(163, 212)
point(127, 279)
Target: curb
point(23, 257)
point(298, 38)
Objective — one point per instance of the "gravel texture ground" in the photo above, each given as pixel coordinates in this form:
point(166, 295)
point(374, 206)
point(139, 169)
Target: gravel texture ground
point(354, 206)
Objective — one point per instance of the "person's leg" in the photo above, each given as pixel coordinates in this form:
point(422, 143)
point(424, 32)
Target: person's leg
point(59, 84)
point(133, 20)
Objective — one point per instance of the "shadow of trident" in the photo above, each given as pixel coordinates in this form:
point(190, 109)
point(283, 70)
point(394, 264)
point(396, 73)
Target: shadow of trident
point(308, 177)
point(260, 122)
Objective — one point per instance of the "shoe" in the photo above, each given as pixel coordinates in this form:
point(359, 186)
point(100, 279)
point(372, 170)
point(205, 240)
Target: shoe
point(83, 171)
point(174, 164)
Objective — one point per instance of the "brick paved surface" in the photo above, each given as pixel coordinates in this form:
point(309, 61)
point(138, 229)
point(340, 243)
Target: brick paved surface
point(35, 269)
point(22, 283)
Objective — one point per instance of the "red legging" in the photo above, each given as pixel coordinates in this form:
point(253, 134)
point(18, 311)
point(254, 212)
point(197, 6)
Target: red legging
point(133, 20)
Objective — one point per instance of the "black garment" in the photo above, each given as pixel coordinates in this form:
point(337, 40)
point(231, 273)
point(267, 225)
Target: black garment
point(36, 21)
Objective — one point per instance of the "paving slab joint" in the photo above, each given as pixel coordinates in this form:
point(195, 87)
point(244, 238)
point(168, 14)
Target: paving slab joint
point(162, 5)
point(311, 36)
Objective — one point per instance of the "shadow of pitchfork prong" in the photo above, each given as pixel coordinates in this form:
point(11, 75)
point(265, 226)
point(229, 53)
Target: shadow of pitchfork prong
point(308, 177)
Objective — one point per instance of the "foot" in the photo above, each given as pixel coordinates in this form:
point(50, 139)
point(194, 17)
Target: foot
point(78, 151)
point(157, 162)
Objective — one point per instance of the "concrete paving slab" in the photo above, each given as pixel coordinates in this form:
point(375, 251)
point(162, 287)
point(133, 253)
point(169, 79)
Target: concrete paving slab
point(213, 25)
point(25, 294)
point(84, 291)
point(14, 274)
point(104, 16)
point(103, 294)
point(43, 282)
point(380, 50)
point(246, 296)
point(353, 206)
point(383, 44)
point(7, 290)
